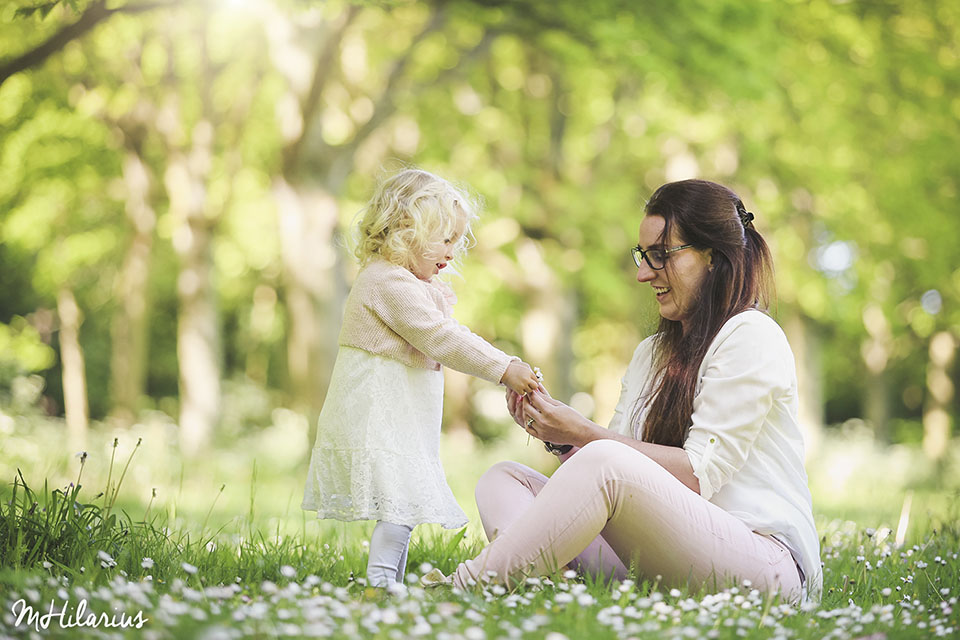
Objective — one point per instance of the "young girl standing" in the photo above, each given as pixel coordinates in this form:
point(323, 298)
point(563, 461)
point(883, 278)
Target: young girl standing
point(377, 451)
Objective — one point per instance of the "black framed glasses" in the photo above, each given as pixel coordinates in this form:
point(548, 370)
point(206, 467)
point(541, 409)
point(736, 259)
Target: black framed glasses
point(656, 257)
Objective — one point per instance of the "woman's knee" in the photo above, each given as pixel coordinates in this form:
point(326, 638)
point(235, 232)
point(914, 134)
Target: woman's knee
point(609, 459)
point(608, 452)
point(492, 480)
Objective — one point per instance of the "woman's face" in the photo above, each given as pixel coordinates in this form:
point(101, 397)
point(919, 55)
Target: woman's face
point(676, 285)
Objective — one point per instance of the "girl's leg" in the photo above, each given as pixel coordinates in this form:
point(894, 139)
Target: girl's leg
point(402, 565)
point(507, 490)
point(646, 515)
point(388, 546)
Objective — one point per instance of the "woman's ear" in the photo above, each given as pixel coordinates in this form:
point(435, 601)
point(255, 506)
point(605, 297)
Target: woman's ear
point(709, 255)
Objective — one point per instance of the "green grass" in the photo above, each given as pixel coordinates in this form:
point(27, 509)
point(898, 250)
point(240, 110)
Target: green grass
point(271, 586)
point(221, 550)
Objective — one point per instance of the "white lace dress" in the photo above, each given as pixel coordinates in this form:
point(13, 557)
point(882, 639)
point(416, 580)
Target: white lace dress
point(377, 451)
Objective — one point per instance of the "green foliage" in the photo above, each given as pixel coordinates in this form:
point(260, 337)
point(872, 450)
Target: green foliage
point(59, 531)
point(21, 351)
point(836, 122)
point(198, 556)
point(186, 585)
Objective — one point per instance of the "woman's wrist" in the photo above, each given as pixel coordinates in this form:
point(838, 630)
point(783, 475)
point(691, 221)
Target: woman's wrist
point(591, 431)
point(557, 449)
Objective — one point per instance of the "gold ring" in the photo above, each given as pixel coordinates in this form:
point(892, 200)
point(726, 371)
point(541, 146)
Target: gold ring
point(529, 422)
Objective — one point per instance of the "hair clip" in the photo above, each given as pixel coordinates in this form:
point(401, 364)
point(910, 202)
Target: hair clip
point(746, 217)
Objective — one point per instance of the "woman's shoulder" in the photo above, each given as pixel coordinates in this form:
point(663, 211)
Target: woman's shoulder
point(752, 324)
point(752, 336)
point(642, 355)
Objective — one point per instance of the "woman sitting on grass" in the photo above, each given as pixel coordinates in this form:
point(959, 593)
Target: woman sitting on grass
point(699, 479)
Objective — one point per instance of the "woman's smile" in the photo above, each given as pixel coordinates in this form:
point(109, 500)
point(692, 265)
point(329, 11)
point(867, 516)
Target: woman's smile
point(661, 292)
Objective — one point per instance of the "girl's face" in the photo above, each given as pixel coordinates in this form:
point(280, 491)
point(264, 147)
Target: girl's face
point(676, 285)
point(438, 253)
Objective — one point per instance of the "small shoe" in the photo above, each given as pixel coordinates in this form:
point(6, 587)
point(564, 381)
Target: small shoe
point(434, 578)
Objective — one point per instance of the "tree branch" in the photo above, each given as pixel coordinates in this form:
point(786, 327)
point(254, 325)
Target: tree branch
point(341, 163)
point(342, 156)
point(94, 15)
point(328, 52)
point(384, 105)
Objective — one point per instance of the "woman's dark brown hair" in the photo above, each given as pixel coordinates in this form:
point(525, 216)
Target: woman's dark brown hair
point(708, 216)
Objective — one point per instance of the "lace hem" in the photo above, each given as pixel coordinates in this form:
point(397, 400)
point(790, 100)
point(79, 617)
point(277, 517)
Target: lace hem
point(374, 484)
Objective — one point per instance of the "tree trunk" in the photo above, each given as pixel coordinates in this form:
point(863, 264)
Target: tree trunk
point(314, 286)
point(936, 413)
point(130, 324)
point(548, 323)
point(198, 331)
point(806, 345)
point(875, 350)
point(263, 315)
point(876, 405)
point(74, 375)
point(563, 355)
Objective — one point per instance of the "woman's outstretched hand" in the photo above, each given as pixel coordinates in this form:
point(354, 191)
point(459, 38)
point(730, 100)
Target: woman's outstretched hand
point(515, 406)
point(553, 421)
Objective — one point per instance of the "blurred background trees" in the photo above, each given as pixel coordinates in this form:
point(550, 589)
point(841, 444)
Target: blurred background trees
point(180, 178)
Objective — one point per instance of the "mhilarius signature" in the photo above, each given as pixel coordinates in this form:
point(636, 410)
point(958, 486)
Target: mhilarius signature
point(80, 617)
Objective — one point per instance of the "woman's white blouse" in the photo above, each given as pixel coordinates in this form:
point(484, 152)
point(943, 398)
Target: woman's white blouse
point(744, 442)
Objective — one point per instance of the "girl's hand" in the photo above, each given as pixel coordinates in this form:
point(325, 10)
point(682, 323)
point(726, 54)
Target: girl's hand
point(521, 378)
point(553, 421)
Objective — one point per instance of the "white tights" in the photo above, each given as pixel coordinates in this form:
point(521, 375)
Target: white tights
point(388, 554)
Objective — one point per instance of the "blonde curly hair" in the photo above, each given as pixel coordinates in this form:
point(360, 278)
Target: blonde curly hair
point(408, 212)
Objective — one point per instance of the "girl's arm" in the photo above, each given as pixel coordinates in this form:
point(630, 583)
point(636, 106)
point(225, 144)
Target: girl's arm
point(405, 305)
point(558, 423)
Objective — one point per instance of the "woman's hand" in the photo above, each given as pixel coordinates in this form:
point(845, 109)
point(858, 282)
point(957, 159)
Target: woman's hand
point(553, 421)
point(515, 406)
